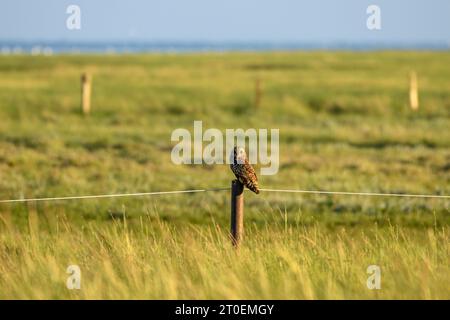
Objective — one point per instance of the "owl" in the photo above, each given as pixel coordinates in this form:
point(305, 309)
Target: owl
point(243, 170)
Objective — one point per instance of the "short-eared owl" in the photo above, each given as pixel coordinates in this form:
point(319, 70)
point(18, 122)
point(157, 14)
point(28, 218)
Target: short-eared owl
point(243, 170)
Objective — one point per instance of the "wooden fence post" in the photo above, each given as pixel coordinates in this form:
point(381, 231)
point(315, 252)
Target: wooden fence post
point(86, 93)
point(413, 92)
point(237, 212)
point(258, 93)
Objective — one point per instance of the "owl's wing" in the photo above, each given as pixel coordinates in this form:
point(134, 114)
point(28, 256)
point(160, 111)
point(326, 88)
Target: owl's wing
point(250, 171)
point(251, 180)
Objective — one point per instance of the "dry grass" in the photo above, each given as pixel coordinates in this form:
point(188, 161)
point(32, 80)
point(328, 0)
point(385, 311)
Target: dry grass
point(155, 260)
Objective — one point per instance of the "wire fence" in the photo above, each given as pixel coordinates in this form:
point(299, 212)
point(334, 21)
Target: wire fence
point(156, 193)
point(372, 194)
point(117, 195)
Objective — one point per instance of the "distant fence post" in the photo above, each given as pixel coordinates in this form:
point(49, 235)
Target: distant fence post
point(86, 93)
point(237, 212)
point(413, 92)
point(258, 93)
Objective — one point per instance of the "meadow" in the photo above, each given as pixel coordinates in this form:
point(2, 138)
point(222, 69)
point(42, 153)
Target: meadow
point(345, 125)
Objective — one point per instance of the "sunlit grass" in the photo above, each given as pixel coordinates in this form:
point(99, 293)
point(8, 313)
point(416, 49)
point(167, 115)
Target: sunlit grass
point(345, 125)
point(156, 260)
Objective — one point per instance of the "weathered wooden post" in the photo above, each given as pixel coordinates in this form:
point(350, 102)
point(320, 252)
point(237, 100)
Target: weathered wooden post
point(86, 93)
point(237, 212)
point(413, 92)
point(258, 93)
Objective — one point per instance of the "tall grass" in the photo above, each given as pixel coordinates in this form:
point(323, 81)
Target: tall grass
point(155, 260)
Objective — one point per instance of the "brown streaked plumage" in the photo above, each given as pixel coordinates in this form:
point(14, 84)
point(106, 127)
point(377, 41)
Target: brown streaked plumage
point(243, 170)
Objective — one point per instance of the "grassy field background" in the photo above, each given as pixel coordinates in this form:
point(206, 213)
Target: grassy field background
point(345, 125)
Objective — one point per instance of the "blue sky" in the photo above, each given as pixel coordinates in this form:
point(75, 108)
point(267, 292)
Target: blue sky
point(320, 21)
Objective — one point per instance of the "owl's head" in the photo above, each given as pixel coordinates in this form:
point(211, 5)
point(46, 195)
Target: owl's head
point(238, 155)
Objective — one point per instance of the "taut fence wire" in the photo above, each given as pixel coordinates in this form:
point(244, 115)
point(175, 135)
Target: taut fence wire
point(157, 193)
point(371, 194)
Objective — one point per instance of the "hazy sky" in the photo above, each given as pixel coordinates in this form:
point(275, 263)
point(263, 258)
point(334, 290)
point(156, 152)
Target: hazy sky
point(320, 21)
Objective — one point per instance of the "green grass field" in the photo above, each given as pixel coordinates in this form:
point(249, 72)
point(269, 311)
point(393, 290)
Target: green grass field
point(345, 125)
